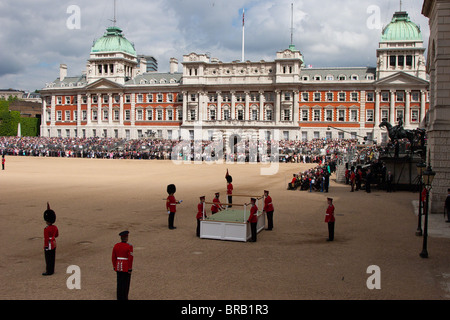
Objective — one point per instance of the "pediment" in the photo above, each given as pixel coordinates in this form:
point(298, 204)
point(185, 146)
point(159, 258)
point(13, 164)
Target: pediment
point(400, 79)
point(104, 84)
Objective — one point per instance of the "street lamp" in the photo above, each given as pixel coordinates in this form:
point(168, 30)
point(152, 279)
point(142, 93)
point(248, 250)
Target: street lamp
point(420, 168)
point(428, 176)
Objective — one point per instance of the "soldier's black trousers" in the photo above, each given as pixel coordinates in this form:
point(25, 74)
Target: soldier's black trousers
point(123, 285)
point(50, 261)
point(331, 231)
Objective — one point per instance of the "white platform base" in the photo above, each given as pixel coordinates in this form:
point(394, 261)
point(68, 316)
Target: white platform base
point(234, 231)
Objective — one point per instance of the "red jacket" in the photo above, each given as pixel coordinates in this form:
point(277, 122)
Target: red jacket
point(50, 233)
point(268, 206)
point(171, 204)
point(329, 217)
point(253, 218)
point(229, 189)
point(215, 206)
point(200, 207)
point(122, 257)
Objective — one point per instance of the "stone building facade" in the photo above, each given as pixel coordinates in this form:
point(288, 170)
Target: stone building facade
point(210, 99)
point(438, 119)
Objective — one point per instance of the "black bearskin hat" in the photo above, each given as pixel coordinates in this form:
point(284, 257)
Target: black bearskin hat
point(171, 188)
point(49, 214)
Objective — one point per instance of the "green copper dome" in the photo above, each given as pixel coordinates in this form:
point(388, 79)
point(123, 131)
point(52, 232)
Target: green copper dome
point(112, 41)
point(401, 28)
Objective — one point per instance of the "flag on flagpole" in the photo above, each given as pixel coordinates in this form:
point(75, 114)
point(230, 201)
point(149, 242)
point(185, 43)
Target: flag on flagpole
point(243, 13)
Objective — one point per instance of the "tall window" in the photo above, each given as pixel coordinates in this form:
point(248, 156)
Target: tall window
point(415, 116)
point(139, 115)
point(240, 114)
point(353, 115)
point(316, 115)
point(392, 61)
point(409, 61)
point(212, 114)
point(341, 115)
point(286, 115)
point(304, 115)
point(254, 114)
point(384, 115)
point(226, 114)
point(369, 115)
point(329, 115)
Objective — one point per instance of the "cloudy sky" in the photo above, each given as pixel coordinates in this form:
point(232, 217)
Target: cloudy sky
point(36, 36)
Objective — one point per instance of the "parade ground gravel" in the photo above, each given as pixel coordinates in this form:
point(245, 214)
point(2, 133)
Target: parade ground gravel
point(95, 199)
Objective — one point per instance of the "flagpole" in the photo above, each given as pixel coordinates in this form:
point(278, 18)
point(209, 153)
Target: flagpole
point(243, 35)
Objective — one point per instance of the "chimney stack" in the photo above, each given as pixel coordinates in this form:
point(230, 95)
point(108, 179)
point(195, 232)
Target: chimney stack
point(173, 65)
point(62, 71)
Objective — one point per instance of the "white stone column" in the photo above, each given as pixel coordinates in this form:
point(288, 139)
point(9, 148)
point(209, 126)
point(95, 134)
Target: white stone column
point(110, 108)
point(377, 114)
point(219, 106)
point(261, 105)
point(89, 109)
point(423, 100)
point(79, 115)
point(121, 109)
point(233, 105)
point(53, 111)
point(392, 108)
point(99, 110)
point(44, 117)
point(247, 106)
point(185, 97)
point(407, 114)
point(295, 113)
point(277, 113)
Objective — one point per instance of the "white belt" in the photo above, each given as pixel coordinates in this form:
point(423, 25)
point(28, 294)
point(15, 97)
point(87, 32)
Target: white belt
point(119, 258)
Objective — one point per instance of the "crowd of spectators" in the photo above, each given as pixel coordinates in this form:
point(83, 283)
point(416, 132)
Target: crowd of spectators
point(151, 148)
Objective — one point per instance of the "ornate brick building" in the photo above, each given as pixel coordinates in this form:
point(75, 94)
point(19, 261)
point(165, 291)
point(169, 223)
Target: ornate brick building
point(209, 99)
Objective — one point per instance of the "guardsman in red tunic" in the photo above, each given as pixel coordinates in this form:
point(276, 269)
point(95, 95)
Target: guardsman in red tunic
point(122, 260)
point(253, 219)
point(200, 210)
point(329, 218)
point(352, 180)
point(50, 234)
point(229, 188)
point(268, 209)
point(216, 207)
point(171, 205)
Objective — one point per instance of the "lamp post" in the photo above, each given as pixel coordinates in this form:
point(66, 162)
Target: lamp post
point(420, 168)
point(428, 176)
